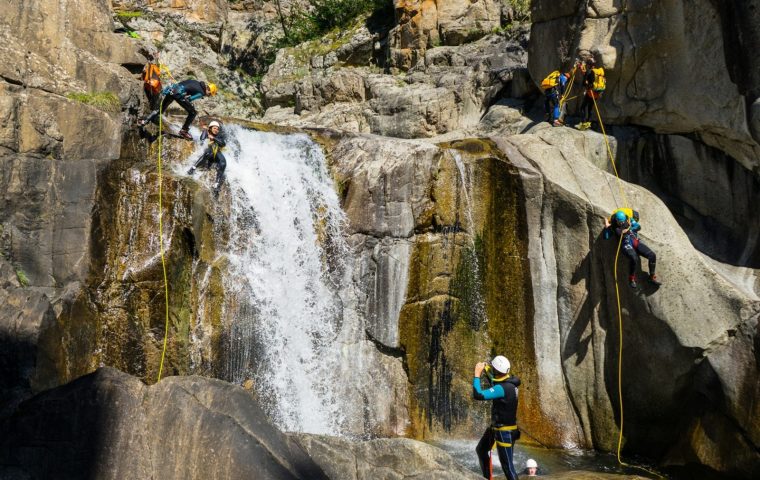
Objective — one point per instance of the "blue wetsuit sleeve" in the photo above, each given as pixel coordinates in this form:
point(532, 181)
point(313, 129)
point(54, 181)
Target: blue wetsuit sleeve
point(490, 394)
point(607, 233)
point(635, 226)
point(195, 97)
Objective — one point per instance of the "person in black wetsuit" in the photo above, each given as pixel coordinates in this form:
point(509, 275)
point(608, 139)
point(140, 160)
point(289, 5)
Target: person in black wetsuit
point(624, 222)
point(184, 93)
point(213, 154)
point(503, 429)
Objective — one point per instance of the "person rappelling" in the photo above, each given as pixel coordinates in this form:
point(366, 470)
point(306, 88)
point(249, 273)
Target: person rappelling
point(213, 154)
point(625, 223)
point(184, 93)
point(503, 430)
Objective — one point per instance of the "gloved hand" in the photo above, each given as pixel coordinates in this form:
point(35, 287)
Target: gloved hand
point(191, 171)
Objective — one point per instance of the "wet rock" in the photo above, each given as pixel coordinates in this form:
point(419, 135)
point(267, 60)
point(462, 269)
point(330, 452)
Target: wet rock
point(110, 425)
point(386, 458)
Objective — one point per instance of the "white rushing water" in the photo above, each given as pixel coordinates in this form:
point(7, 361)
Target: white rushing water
point(287, 254)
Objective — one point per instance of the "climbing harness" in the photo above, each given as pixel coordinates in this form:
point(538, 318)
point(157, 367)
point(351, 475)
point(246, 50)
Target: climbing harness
point(619, 307)
point(161, 239)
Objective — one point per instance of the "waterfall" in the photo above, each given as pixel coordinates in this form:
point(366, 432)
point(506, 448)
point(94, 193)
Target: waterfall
point(477, 302)
point(286, 257)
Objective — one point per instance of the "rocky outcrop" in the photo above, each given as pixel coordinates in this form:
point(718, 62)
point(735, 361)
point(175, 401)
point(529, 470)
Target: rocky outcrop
point(449, 89)
point(109, 425)
point(424, 24)
point(651, 65)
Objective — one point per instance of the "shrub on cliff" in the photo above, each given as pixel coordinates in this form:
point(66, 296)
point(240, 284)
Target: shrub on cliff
point(322, 16)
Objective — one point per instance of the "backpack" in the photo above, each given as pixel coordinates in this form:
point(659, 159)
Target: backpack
point(600, 83)
point(152, 78)
point(551, 80)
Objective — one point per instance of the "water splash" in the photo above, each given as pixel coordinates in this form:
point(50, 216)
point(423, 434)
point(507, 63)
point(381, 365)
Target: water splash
point(286, 253)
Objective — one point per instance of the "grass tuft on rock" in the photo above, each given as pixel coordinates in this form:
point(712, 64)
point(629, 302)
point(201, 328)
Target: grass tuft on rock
point(22, 278)
point(129, 14)
point(106, 101)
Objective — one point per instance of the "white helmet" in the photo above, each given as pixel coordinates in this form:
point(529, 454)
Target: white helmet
point(500, 364)
point(531, 463)
point(214, 123)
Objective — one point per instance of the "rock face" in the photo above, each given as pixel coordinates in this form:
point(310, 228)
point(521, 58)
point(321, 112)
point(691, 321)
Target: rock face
point(651, 65)
point(110, 425)
point(545, 188)
point(49, 165)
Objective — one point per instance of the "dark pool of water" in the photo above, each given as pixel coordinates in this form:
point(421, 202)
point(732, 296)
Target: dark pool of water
point(549, 460)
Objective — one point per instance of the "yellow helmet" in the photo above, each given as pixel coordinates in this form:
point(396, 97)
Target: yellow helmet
point(212, 88)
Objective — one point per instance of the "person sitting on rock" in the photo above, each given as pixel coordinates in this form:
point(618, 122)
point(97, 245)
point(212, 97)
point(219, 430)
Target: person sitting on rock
point(594, 83)
point(213, 154)
point(625, 223)
point(184, 93)
point(554, 87)
point(503, 429)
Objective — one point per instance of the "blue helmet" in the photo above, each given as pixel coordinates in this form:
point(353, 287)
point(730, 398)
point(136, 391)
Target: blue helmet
point(620, 216)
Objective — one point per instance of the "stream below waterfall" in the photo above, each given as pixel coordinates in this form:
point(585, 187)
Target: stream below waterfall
point(550, 461)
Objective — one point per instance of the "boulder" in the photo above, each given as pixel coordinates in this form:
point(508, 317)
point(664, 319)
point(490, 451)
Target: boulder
point(383, 458)
point(109, 425)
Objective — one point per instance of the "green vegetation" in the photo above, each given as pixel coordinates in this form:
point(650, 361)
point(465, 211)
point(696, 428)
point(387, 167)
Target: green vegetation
point(322, 16)
point(522, 10)
point(129, 14)
point(22, 278)
point(106, 101)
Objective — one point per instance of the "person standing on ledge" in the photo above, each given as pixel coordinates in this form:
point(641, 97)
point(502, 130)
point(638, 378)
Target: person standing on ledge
point(503, 430)
point(184, 93)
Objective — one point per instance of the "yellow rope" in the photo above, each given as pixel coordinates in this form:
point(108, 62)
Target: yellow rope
point(620, 351)
point(609, 151)
point(161, 238)
point(567, 90)
point(619, 308)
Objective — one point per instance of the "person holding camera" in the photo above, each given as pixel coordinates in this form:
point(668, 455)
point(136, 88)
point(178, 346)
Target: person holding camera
point(503, 430)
